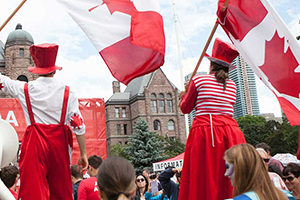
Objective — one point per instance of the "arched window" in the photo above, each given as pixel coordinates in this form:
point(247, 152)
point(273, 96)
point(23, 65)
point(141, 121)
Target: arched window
point(169, 96)
point(156, 125)
point(153, 96)
point(161, 96)
point(120, 142)
point(21, 52)
point(171, 125)
point(22, 78)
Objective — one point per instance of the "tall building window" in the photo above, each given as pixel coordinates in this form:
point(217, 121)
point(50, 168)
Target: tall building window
point(125, 129)
point(169, 106)
point(156, 125)
point(169, 96)
point(153, 106)
point(119, 129)
point(21, 52)
point(123, 112)
point(161, 106)
point(22, 78)
point(161, 96)
point(117, 112)
point(171, 125)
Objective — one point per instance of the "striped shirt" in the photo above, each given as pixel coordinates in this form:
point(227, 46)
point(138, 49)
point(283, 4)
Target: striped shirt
point(209, 97)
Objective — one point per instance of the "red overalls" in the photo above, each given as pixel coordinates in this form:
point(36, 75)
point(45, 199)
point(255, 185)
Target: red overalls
point(45, 161)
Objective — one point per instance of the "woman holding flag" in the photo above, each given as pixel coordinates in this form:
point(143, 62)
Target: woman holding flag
point(213, 130)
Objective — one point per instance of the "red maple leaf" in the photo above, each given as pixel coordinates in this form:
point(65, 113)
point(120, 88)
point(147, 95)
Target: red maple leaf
point(124, 6)
point(1, 86)
point(76, 121)
point(280, 67)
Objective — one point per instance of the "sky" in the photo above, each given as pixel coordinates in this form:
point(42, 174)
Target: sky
point(84, 69)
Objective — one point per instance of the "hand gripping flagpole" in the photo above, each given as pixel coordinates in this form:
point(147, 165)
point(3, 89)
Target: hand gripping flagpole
point(9, 18)
point(225, 5)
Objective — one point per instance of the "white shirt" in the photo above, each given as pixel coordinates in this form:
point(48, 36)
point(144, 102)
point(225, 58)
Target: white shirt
point(46, 97)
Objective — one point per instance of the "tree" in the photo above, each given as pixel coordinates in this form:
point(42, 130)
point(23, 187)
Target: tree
point(173, 147)
point(144, 147)
point(118, 150)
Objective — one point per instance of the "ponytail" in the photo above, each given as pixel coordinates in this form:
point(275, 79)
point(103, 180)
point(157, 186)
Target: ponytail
point(221, 73)
point(122, 196)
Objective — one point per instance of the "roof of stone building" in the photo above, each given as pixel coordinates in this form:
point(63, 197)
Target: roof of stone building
point(134, 88)
point(19, 37)
point(120, 96)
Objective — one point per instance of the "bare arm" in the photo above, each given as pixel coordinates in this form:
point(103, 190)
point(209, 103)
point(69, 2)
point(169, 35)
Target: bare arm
point(83, 161)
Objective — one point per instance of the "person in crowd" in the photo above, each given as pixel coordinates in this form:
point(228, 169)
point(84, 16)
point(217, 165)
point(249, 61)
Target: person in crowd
point(116, 179)
point(142, 184)
point(276, 179)
point(51, 109)
point(213, 130)
point(275, 169)
point(291, 174)
point(88, 189)
point(146, 172)
point(170, 188)
point(77, 177)
point(272, 161)
point(249, 176)
point(10, 175)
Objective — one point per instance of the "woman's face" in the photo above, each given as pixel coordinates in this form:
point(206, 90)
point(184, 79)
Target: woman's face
point(291, 181)
point(140, 181)
point(229, 171)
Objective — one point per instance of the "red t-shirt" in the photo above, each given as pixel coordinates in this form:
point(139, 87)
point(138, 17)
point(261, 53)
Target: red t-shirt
point(88, 190)
point(14, 193)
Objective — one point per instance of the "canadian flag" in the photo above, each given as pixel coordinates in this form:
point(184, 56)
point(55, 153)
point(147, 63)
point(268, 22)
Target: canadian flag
point(128, 35)
point(264, 41)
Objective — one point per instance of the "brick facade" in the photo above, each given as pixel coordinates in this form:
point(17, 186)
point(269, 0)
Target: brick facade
point(139, 105)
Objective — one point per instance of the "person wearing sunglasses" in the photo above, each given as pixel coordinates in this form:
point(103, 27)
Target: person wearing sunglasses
point(249, 176)
point(291, 178)
point(142, 184)
point(277, 180)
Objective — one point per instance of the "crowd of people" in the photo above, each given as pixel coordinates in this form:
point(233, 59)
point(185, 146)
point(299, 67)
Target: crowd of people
point(248, 169)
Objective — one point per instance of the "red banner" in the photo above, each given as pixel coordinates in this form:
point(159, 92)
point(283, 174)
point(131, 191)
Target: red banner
point(93, 113)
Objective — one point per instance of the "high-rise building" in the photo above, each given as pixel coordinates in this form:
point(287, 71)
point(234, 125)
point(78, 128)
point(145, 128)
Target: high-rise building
point(246, 98)
point(192, 114)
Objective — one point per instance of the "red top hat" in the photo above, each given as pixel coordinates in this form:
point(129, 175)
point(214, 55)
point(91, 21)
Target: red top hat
point(44, 57)
point(223, 53)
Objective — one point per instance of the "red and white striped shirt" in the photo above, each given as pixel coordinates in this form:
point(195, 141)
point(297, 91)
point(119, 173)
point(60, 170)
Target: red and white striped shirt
point(208, 96)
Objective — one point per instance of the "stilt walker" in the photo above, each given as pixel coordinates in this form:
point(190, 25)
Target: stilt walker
point(213, 130)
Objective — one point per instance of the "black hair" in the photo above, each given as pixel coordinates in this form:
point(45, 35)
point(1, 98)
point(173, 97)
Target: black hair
point(8, 175)
point(95, 161)
point(292, 168)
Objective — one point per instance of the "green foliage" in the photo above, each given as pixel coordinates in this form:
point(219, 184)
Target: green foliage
point(282, 137)
point(118, 150)
point(144, 147)
point(173, 147)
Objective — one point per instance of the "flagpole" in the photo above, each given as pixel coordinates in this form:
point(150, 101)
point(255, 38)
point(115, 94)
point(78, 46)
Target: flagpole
point(15, 11)
point(224, 7)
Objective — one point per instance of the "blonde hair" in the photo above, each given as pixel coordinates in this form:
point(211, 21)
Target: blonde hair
point(250, 173)
point(116, 178)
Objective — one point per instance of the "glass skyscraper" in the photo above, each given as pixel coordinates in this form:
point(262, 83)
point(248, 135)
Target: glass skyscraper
point(246, 98)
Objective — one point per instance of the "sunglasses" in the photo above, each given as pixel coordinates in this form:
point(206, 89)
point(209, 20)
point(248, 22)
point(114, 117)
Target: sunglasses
point(140, 180)
point(266, 160)
point(289, 178)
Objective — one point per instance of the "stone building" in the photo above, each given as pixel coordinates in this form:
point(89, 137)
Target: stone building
point(152, 97)
point(15, 56)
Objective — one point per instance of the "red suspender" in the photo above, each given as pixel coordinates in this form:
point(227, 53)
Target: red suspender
point(65, 105)
point(64, 108)
point(29, 108)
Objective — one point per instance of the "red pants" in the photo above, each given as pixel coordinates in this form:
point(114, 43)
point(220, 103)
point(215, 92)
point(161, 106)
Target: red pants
point(45, 163)
point(204, 167)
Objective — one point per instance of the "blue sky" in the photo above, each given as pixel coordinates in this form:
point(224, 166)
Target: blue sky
point(84, 70)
